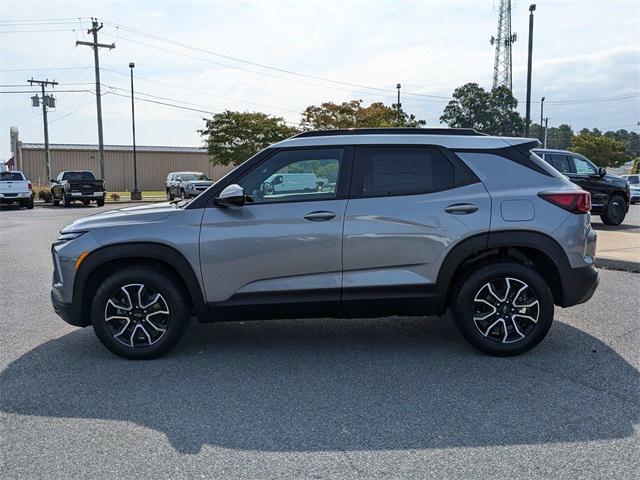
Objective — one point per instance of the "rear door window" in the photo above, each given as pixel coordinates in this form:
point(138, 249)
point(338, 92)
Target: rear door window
point(386, 171)
point(558, 161)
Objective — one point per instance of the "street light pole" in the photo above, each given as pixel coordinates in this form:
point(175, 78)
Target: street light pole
point(541, 116)
point(527, 120)
point(398, 105)
point(135, 194)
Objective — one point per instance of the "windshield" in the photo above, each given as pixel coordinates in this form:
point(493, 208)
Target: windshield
point(189, 177)
point(11, 176)
point(78, 176)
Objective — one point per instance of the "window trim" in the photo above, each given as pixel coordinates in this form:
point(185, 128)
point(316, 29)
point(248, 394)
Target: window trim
point(462, 174)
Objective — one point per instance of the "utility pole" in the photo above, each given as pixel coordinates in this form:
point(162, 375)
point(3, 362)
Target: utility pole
point(399, 105)
point(527, 120)
point(541, 115)
point(47, 101)
point(95, 45)
point(546, 124)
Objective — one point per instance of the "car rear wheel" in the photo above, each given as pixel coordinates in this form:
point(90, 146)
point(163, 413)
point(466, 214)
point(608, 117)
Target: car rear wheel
point(615, 212)
point(140, 312)
point(503, 308)
point(30, 203)
point(67, 201)
point(169, 195)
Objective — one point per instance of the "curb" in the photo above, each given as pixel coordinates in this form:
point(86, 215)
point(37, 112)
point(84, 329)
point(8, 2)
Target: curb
point(107, 202)
point(621, 265)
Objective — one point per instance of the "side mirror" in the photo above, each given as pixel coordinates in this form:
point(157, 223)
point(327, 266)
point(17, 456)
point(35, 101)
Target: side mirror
point(231, 196)
point(602, 171)
point(52, 180)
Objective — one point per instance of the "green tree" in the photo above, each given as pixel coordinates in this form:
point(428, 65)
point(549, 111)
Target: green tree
point(491, 112)
point(353, 114)
point(603, 151)
point(233, 137)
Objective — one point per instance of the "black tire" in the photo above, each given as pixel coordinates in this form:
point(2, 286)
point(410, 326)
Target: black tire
point(100, 202)
point(86, 202)
point(615, 212)
point(155, 280)
point(30, 204)
point(66, 201)
point(521, 334)
point(169, 195)
point(54, 201)
point(183, 195)
point(22, 203)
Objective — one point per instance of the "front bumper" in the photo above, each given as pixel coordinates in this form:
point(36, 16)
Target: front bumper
point(578, 285)
point(66, 311)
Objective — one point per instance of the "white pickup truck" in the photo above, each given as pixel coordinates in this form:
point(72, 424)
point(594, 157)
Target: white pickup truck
point(15, 188)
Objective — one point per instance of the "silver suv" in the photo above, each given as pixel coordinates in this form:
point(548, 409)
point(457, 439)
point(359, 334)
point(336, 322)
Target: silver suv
point(399, 222)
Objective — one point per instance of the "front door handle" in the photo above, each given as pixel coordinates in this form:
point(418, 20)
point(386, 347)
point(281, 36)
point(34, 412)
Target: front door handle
point(321, 216)
point(461, 209)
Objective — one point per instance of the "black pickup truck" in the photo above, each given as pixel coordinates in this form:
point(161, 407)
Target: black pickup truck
point(78, 185)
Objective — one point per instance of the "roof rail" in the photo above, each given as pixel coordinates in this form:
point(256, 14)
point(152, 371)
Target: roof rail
point(390, 131)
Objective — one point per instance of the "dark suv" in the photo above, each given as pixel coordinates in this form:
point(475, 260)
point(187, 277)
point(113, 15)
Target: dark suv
point(610, 194)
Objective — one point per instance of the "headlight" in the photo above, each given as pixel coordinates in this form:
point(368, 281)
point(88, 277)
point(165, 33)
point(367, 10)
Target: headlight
point(67, 237)
point(190, 186)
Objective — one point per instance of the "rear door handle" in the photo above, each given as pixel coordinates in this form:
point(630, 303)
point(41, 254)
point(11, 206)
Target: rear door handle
point(461, 209)
point(321, 216)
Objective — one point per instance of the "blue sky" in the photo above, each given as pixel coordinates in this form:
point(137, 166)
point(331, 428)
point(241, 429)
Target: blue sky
point(584, 51)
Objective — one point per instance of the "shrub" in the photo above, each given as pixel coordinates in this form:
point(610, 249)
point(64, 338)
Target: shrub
point(42, 193)
point(114, 196)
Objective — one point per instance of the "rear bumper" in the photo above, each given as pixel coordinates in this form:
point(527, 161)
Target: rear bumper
point(578, 285)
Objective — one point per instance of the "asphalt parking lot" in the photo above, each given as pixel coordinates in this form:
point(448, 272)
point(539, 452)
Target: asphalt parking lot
point(382, 398)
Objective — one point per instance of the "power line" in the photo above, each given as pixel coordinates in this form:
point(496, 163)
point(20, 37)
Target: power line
point(57, 91)
point(261, 65)
point(40, 69)
point(203, 92)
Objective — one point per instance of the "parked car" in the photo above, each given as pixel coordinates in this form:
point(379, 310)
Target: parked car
point(186, 184)
point(80, 185)
point(610, 194)
point(418, 221)
point(15, 188)
point(634, 186)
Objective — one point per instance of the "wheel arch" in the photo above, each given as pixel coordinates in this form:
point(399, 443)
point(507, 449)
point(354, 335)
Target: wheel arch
point(534, 249)
point(106, 260)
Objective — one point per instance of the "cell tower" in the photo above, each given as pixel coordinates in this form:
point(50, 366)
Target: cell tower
point(503, 42)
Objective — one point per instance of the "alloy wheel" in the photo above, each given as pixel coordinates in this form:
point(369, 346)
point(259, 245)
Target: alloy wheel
point(505, 310)
point(137, 315)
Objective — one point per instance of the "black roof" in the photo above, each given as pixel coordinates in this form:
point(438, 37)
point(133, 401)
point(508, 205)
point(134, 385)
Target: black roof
point(390, 131)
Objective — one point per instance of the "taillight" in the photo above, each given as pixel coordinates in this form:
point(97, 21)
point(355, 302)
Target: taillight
point(29, 186)
point(574, 202)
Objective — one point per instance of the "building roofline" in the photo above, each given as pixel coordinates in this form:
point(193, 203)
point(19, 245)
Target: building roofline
point(118, 148)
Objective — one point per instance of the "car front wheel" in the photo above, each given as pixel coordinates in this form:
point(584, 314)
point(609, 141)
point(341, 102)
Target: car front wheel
point(504, 308)
point(140, 312)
